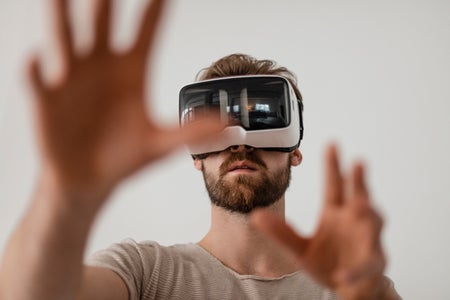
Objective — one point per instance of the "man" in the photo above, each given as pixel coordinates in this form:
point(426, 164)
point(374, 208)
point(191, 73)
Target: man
point(93, 133)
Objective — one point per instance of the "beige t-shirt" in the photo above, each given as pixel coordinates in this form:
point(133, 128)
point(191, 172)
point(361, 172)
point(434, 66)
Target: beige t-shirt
point(187, 271)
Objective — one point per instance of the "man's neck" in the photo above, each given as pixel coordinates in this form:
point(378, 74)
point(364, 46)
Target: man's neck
point(233, 241)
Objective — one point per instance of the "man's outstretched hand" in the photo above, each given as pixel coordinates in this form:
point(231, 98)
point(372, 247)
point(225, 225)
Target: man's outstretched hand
point(93, 131)
point(345, 252)
point(92, 121)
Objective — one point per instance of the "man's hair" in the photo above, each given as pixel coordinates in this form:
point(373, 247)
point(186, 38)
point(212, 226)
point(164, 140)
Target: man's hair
point(242, 64)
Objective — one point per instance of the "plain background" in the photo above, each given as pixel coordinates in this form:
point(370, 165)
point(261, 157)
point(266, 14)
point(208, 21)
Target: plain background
point(375, 76)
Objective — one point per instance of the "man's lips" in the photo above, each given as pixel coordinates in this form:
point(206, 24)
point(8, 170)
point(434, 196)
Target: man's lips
point(242, 166)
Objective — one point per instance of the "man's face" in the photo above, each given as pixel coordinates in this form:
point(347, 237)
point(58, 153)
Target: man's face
point(242, 178)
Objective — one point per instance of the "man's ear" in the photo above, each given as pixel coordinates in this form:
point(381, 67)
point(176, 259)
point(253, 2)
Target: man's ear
point(296, 157)
point(198, 164)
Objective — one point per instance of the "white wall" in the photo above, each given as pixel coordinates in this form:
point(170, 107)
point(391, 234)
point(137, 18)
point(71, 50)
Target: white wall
point(375, 76)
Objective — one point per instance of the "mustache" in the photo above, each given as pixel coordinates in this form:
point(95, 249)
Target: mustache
point(239, 156)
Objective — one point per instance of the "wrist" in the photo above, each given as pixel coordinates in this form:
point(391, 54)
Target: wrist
point(69, 197)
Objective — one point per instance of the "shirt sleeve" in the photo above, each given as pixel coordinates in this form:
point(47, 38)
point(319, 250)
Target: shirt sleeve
point(125, 259)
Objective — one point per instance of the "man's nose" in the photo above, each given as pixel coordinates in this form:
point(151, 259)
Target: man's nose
point(241, 148)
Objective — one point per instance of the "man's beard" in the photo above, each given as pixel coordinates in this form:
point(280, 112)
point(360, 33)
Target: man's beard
point(246, 192)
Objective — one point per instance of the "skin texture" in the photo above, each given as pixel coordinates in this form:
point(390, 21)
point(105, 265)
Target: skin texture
point(94, 132)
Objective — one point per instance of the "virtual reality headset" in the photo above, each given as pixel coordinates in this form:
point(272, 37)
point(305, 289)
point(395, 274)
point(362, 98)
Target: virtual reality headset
point(260, 111)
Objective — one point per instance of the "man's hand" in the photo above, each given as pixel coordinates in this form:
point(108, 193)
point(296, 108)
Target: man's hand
point(92, 121)
point(345, 253)
point(93, 132)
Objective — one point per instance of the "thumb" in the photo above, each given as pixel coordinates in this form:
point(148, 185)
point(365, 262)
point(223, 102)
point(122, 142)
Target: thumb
point(201, 131)
point(276, 228)
point(168, 139)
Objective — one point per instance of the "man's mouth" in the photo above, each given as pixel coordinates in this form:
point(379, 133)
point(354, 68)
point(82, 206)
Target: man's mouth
point(242, 167)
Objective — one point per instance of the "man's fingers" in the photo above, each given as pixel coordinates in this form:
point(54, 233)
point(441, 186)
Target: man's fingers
point(359, 196)
point(35, 76)
point(359, 181)
point(277, 229)
point(201, 131)
point(359, 202)
point(64, 38)
point(375, 225)
point(333, 178)
point(149, 26)
point(172, 138)
point(102, 24)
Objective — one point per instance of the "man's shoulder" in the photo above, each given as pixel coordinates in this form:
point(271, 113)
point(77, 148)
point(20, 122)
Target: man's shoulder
point(149, 247)
point(148, 251)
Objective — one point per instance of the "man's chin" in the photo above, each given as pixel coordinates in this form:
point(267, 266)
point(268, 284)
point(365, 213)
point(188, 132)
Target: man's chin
point(243, 206)
point(236, 209)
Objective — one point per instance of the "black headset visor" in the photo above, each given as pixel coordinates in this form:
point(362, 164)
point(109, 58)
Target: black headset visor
point(252, 102)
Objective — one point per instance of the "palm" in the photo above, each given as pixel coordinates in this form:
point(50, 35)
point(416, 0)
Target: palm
point(344, 243)
point(95, 115)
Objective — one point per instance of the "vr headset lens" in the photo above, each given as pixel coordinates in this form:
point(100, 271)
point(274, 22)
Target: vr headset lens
point(254, 102)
